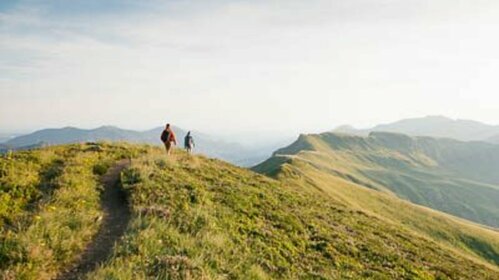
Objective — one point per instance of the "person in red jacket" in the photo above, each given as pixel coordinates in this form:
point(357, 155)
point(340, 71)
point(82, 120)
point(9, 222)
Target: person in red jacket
point(168, 138)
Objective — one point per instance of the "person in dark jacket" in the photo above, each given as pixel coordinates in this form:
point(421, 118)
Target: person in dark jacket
point(189, 142)
point(168, 138)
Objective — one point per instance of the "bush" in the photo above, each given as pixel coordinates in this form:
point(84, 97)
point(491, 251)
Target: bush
point(100, 168)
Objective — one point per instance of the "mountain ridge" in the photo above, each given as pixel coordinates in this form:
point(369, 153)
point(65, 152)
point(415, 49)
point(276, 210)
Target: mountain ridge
point(424, 170)
point(312, 169)
point(206, 144)
point(434, 126)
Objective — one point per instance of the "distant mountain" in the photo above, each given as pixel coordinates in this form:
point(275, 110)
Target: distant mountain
point(3, 148)
point(56, 136)
point(459, 178)
point(348, 129)
point(4, 137)
point(494, 139)
point(435, 126)
point(204, 143)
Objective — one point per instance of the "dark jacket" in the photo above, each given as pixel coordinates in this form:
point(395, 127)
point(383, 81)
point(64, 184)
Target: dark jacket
point(168, 136)
point(188, 141)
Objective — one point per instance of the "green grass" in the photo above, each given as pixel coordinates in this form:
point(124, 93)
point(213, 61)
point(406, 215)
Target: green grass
point(198, 218)
point(454, 177)
point(449, 231)
point(50, 206)
point(357, 172)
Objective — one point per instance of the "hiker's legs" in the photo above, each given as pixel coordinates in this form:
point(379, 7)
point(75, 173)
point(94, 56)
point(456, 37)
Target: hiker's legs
point(168, 146)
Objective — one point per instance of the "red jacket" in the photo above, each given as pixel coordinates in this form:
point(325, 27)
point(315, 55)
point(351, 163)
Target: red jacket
point(172, 137)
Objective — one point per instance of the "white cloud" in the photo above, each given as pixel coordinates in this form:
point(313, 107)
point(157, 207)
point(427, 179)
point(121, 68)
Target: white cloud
point(238, 66)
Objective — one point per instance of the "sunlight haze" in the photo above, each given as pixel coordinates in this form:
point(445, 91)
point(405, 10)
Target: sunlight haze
point(239, 66)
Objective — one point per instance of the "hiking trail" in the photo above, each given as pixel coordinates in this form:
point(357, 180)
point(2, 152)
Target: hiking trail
point(116, 216)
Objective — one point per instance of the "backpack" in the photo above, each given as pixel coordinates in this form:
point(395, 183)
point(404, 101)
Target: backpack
point(165, 136)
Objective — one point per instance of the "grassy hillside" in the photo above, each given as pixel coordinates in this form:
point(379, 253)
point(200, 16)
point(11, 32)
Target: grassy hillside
point(49, 206)
point(208, 220)
point(199, 218)
point(455, 177)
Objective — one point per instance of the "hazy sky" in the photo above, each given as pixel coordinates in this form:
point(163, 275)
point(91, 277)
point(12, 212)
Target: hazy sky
point(246, 65)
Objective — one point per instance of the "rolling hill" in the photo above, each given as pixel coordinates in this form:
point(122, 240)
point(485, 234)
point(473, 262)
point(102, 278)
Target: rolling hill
point(6, 136)
point(198, 218)
point(206, 144)
point(459, 178)
point(66, 135)
point(434, 126)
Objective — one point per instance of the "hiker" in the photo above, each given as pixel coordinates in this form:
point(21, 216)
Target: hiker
point(188, 142)
point(168, 137)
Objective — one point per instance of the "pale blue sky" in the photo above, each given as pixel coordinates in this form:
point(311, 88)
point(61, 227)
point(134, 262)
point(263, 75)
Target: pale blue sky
point(243, 66)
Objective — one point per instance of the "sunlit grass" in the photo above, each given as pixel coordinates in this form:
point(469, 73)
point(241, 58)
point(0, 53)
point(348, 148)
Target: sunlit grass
point(200, 218)
point(53, 207)
point(197, 218)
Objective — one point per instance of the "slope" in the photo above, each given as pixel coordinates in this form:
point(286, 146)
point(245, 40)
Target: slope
point(50, 206)
point(455, 177)
point(199, 218)
point(205, 219)
point(339, 173)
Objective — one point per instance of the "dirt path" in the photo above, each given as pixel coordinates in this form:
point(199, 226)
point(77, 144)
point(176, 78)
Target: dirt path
point(114, 222)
